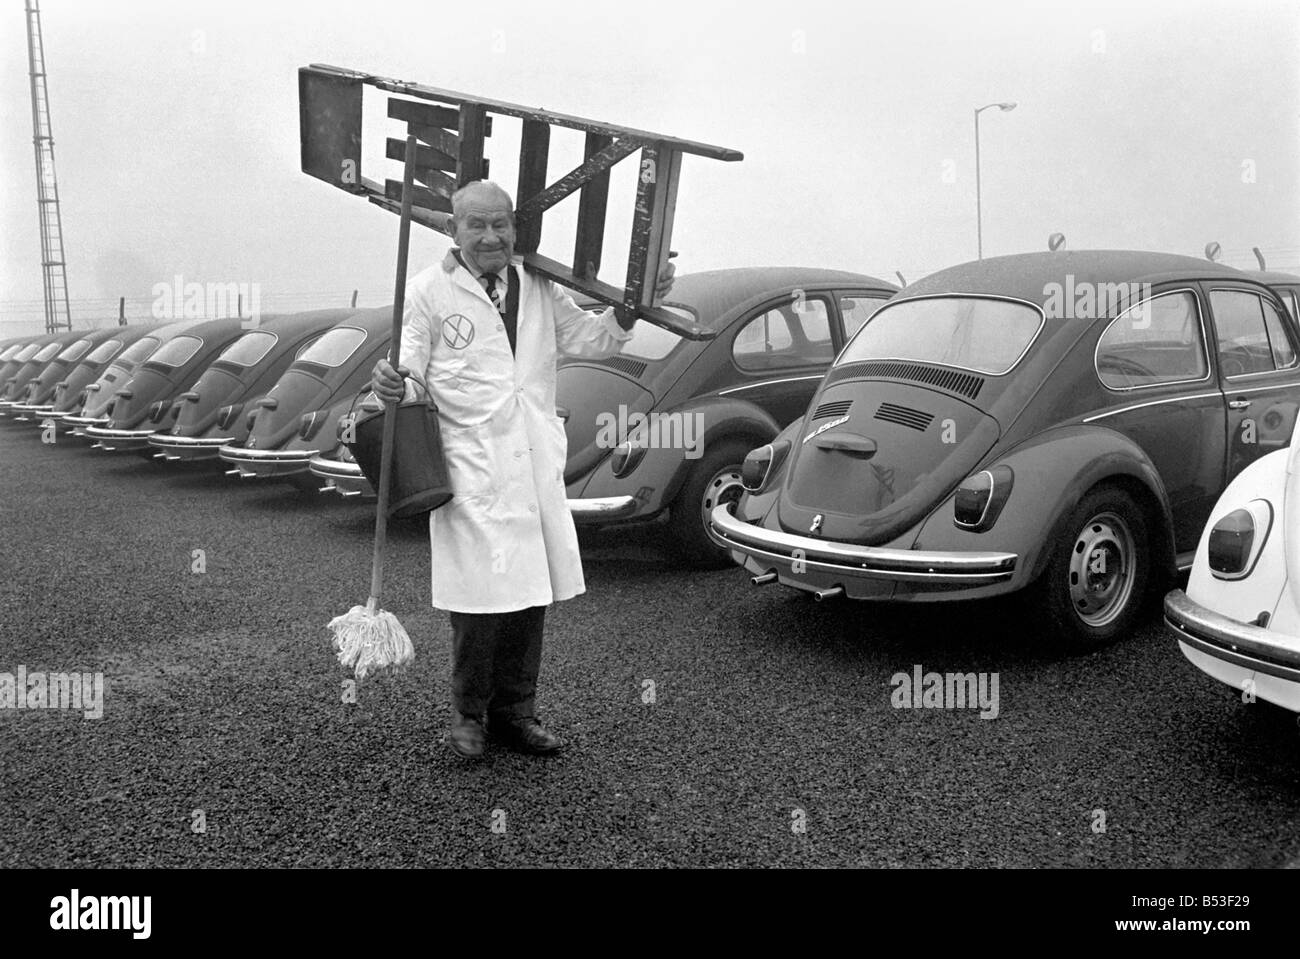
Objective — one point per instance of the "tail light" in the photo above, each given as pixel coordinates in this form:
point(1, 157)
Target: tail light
point(311, 424)
point(158, 410)
point(759, 465)
point(979, 499)
point(227, 415)
point(1237, 540)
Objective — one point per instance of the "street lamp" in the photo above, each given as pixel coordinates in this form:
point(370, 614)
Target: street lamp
point(979, 225)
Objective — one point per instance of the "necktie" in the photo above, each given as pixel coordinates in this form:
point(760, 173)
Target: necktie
point(489, 281)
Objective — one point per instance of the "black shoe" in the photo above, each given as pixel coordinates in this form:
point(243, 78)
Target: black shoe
point(466, 736)
point(526, 734)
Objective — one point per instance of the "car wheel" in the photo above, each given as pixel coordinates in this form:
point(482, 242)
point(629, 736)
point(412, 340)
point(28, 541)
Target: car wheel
point(712, 481)
point(1093, 589)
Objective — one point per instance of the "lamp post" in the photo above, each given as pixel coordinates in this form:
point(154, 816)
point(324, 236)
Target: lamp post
point(979, 224)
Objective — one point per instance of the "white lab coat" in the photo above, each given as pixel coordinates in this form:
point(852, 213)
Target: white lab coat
point(506, 540)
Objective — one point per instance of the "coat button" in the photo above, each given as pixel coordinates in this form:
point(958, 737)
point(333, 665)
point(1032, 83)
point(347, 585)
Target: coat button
point(500, 327)
point(532, 509)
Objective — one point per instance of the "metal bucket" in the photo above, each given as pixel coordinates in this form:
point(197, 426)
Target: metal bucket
point(418, 482)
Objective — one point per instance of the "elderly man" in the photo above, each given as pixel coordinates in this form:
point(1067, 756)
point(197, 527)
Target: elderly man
point(481, 334)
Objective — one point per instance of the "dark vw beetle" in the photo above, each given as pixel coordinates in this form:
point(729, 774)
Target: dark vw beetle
point(287, 423)
point(664, 425)
point(15, 385)
point(212, 412)
point(38, 392)
point(70, 392)
point(1050, 420)
point(147, 401)
point(16, 355)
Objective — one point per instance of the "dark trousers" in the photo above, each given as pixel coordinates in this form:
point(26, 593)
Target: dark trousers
point(495, 661)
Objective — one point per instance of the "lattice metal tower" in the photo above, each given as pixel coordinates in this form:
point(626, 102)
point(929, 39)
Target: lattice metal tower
point(58, 315)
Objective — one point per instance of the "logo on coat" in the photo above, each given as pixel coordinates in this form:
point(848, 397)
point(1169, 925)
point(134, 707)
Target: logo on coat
point(458, 331)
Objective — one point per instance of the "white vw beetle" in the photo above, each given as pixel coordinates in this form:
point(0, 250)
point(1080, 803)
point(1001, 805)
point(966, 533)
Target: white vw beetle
point(1239, 620)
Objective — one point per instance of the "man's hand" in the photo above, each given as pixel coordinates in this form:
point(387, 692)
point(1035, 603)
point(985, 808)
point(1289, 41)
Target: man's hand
point(664, 285)
point(387, 383)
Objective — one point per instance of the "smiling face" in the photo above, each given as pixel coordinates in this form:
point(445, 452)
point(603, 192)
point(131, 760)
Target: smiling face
point(484, 222)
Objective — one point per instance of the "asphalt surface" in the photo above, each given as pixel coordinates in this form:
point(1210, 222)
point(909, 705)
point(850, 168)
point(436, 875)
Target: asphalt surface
point(771, 740)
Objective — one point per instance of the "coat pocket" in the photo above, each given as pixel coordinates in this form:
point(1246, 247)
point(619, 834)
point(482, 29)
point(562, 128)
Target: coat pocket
point(469, 462)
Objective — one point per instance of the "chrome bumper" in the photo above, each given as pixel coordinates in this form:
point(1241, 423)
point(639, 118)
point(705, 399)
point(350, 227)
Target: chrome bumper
point(188, 447)
point(256, 463)
point(773, 550)
point(1225, 639)
point(599, 509)
point(114, 439)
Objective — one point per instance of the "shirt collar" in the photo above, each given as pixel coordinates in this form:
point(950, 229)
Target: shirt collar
point(499, 274)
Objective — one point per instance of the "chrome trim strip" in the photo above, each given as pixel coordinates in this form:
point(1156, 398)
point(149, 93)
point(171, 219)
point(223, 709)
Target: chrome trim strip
point(1138, 406)
point(326, 467)
point(1241, 644)
point(787, 379)
point(862, 562)
point(105, 432)
point(605, 507)
point(1261, 389)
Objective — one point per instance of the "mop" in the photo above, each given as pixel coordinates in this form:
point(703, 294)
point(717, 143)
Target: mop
point(369, 637)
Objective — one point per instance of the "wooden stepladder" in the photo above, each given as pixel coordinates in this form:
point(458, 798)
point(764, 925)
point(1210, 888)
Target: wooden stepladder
point(451, 129)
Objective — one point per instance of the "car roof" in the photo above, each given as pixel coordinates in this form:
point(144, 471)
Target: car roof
point(291, 324)
point(718, 294)
point(1272, 277)
point(1028, 276)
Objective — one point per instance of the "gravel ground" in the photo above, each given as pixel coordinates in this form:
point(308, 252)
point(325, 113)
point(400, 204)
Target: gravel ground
point(771, 739)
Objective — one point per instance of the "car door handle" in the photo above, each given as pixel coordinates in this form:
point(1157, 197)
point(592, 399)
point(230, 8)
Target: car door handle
point(1238, 404)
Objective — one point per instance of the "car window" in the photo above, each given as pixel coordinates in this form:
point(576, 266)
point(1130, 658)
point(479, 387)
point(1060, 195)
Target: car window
point(249, 349)
point(982, 334)
point(137, 351)
point(48, 353)
point(104, 351)
point(176, 352)
point(1152, 342)
point(1245, 345)
point(856, 310)
point(334, 347)
point(28, 352)
point(75, 351)
point(10, 352)
point(793, 334)
point(1279, 337)
point(650, 342)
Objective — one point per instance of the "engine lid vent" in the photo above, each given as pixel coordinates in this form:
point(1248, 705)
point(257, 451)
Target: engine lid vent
point(835, 408)
point(954, 381)
point(905, 416)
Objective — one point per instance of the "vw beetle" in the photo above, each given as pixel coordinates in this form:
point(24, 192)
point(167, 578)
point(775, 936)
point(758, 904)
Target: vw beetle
point(70, 392)
point(37, 359)
point(1061, 422)
point(38, 392)
point(211, 413)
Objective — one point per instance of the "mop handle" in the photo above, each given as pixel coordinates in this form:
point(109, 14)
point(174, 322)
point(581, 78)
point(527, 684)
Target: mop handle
point(394, 355)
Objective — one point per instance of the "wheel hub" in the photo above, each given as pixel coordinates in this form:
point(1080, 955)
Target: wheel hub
point(724, 487)
point(1102, 569)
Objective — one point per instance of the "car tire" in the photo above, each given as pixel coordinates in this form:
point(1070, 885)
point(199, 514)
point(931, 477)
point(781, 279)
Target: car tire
point(714, 478)
point(1094, 588)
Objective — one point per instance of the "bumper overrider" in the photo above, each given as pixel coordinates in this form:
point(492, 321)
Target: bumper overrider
point(114, 439)
point(1230, 641)
point(250, 464)
point(340, 476)
point(188, 447)
point(79, 424)
point(602, 509)
point(828, 568)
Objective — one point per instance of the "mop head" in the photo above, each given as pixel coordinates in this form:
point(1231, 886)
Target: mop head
point(369, 639)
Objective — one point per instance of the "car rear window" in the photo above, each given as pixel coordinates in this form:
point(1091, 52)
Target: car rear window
point(48, 353)
point(28, 352)
point(75, 351)
point(11, 352)
point(137, 351)
point(981, 334)
point(650, 342)
point(176, 352)
point(334, 348)
point(104, 351)
point(249, 349)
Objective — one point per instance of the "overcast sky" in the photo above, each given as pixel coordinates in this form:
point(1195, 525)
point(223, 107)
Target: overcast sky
point(1140, 124)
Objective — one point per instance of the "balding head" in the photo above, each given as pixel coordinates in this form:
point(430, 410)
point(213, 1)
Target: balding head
point(483, 225)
